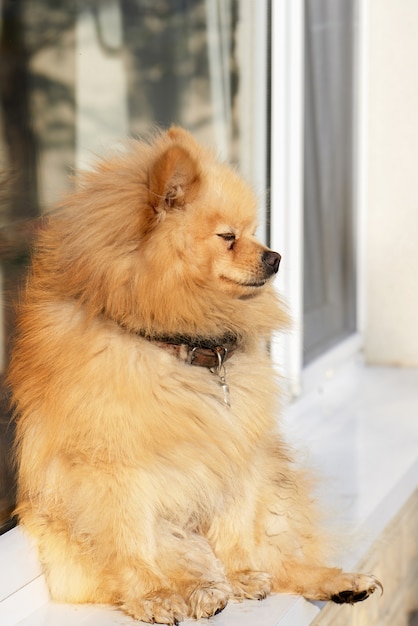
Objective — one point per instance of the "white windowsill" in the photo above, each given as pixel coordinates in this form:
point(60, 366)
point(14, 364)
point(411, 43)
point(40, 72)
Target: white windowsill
point(359, 428)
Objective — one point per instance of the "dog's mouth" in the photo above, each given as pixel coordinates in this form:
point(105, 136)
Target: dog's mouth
point(255, 284)
point(251, 284)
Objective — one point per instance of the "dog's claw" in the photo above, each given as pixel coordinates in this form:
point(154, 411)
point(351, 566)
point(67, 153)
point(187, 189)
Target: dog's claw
point(221, 608)
point(378, 585)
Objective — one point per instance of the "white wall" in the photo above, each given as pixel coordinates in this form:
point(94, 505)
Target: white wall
point(391, 335)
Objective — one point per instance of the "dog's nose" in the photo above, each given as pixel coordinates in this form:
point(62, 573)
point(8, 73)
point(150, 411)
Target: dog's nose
point(271, 260)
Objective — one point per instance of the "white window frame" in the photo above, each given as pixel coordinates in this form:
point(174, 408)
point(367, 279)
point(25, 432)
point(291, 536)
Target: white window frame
point(287, 189)
point(286, 222)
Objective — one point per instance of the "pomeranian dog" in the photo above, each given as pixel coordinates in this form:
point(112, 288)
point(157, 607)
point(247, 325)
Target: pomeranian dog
point(152, 475)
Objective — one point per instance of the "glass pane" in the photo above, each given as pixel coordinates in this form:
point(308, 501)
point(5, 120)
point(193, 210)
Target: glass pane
point(37, 141)
point(78, 77)
point(329, 260)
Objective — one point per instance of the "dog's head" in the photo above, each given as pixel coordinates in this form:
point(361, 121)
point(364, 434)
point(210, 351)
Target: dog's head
point(206, 215)
point(161, 238)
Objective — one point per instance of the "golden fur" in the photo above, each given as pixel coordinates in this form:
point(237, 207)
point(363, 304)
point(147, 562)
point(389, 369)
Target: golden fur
point(141, 487)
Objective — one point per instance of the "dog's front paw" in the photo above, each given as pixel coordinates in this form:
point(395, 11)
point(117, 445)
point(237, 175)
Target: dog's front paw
point(159, 607)
point(208, 599)
point(361, 587)
point(250, 584)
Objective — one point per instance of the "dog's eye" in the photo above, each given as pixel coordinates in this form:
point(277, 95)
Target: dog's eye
point(229, 237)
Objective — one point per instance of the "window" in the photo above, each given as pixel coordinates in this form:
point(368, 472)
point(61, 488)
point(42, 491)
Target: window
point(77, 78)
point(315, 184)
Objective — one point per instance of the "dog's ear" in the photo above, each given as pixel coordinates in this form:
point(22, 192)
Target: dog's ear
point(173, 179)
